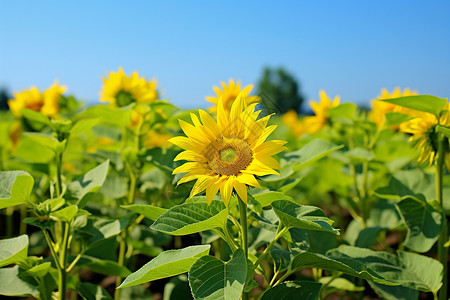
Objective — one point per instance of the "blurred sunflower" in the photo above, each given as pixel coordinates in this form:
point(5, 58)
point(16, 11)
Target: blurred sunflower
point(314, 123)
point(295, 125)
point(423, 130)
point(44, 102)
point(122, 90)
point(229, 94)
point(380, 108)
point(227, 154)
point(155, 139)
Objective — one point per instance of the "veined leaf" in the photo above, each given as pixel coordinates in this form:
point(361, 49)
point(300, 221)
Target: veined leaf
point(424, 221)
point(149, 211)
point(13, 250)
point(211, 278)
point(89, 182)
point(167, 264)
point(267, 198)
point(395, 118)
point(305, 290)
point(191, 218)
point(36, 116)
point(47, 141)
point(66, 214)
point(84, 125)
point(294, 215)
point(12, 285)
point(425, 103)
point(15, 188)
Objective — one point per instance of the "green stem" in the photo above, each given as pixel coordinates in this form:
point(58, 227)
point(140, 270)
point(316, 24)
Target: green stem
point(58, 174)
point(52, 248)
point(275, 239)
point(244, 227)
point(286, 275)
point(443, 238)
point(121, 262)
point(63, 261)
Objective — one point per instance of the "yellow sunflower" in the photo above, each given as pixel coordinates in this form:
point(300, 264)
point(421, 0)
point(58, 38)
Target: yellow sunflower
point(227, 154)
point(296, 126)
point(122, 90)
point(314, 123)
point(229, 94)
point(423, 131)
point(380, 108)
point(44, 102)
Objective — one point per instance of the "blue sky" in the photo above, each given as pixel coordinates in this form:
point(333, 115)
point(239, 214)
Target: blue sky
point(351, 48)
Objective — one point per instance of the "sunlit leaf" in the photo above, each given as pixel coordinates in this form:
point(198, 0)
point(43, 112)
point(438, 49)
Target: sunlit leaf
point(425, 103)
point(15, 188)
point(307, 290)
point(13, 250)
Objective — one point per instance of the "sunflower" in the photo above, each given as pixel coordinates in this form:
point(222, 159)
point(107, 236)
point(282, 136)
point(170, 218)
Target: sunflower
point(44, 102)
point(123, 90)
point(317, 122)
point(296, 126)
point(229, 94)
point(227, 154)
point(423, 130)
point(380, 108)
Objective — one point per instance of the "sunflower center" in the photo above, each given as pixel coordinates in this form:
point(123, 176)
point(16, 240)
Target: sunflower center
point(123, 98)
point(228, 156)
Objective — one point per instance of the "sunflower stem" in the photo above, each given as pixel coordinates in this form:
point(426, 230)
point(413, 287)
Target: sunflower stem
point(442, 250)
point(244, 226)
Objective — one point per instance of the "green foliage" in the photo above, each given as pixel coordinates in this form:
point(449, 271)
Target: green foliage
point(307, 290)
point(167, 264)
point(15, 188)
point(225, 280)
point(425, 103)
point(14, 250)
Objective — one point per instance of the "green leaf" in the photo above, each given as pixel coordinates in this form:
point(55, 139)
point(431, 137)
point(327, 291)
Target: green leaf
point(28, 148)
point(407, 269)
point(66, 214)
point(191, 218)
point(35, 116)
point(15, 188)
point(348, 265)
point(167, 264)
point(177, 288)
point(345, 110)
point(90, 291)
point(47, 141)
point(39, 271)
point(358, 236)
point(149, 211)
point(395, 118)
point(340, 284)
point(426, 103)
point(444, 130)
point(360, 155)
point(84, 125)
point(310, 153)
point(305, 290)
point(90, 182)
point(211, 278)
point(12, 285)
point(424, 221)
point(13, 250)
point(103, 266)
point(293, 215)
point(398, 292)
point(267, 198)
point(108, 114)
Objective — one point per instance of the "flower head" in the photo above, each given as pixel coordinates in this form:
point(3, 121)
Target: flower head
point(122, 90)
point(423, 131)
point(227, 154)
point(317, 122)
point(296, 126)
point(380, 108)
point(229, 94)
point(44, 102)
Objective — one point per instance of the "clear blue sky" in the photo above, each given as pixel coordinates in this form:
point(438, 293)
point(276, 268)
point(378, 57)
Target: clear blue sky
point(351, 48)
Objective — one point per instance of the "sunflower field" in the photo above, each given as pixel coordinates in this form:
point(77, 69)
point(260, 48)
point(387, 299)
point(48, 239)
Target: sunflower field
point(135, 198)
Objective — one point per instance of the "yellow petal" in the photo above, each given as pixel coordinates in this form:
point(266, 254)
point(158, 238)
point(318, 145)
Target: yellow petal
point(241, 190)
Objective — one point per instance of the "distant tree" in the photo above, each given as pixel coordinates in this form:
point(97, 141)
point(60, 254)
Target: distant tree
point(4, 96)
point(279, 91)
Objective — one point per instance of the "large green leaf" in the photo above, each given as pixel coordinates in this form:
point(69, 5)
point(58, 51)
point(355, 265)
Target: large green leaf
point(424, 221)
point(294, 215)
point(395, 118)
point(149, 211)
point(167, 264)
point(211, 278)
point(305, 290)
point(13, 250)
point(408, 269)
point(89, 182)
point(398, 292)
point(103, 266)
point(35, 116)
point(46, 140)
point(426, 103)
point(347, 266)
point(12, 285)
point(191, 218)
point(267, 198)
point(310, 153)
point(15, 188)
point(84, 125)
